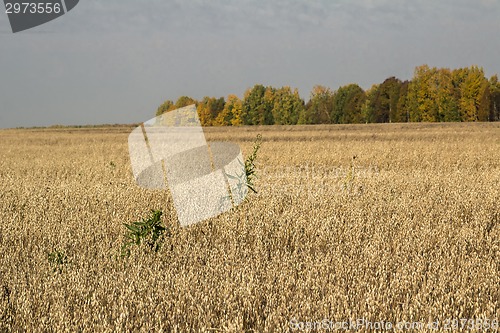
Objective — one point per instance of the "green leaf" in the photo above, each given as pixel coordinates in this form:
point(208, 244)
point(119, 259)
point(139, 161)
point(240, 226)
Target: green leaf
point(132, 227)
point(232, 177)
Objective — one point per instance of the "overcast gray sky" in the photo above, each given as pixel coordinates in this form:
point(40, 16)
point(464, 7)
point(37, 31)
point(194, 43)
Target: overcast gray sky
point(115, 61)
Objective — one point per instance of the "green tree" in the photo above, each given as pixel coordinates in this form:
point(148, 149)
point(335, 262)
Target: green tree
point(184, 101)
point(354, 107)
point(257, 110)
point(319, 107)
point(494, 99)
point(269, 100)
point(287, 106)
point(368, 107)
point(483, 111)
point(447, 102)
point(403, 109)
point(347, 104)
point(385, 103)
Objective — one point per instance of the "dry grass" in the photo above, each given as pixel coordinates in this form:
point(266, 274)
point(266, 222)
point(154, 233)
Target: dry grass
point(407, 230)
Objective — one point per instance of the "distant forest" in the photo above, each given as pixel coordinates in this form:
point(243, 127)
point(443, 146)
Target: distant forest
point(432, 95)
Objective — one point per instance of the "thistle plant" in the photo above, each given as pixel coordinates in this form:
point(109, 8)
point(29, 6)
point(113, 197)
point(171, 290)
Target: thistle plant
point(57, 259)
point(245, 180)
point(250, 168)
point(242, 185)
point(149, 231)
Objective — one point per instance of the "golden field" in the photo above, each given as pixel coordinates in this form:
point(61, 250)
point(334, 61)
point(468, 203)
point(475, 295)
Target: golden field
point(387, 222)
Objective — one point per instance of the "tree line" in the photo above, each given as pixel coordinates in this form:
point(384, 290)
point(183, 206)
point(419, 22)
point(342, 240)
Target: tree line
point(432, 95)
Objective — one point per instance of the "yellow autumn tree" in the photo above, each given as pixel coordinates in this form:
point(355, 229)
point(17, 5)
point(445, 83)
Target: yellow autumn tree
point(231, 114)
point(472, 84)
point(209, 108)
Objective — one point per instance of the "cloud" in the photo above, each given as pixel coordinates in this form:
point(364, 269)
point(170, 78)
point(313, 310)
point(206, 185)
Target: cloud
point(253, 17)
point(184, 17)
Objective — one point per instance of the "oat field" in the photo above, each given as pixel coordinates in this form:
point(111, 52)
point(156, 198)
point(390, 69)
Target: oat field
point(388, 222)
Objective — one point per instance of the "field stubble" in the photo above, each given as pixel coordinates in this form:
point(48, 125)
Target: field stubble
point(387, 222)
